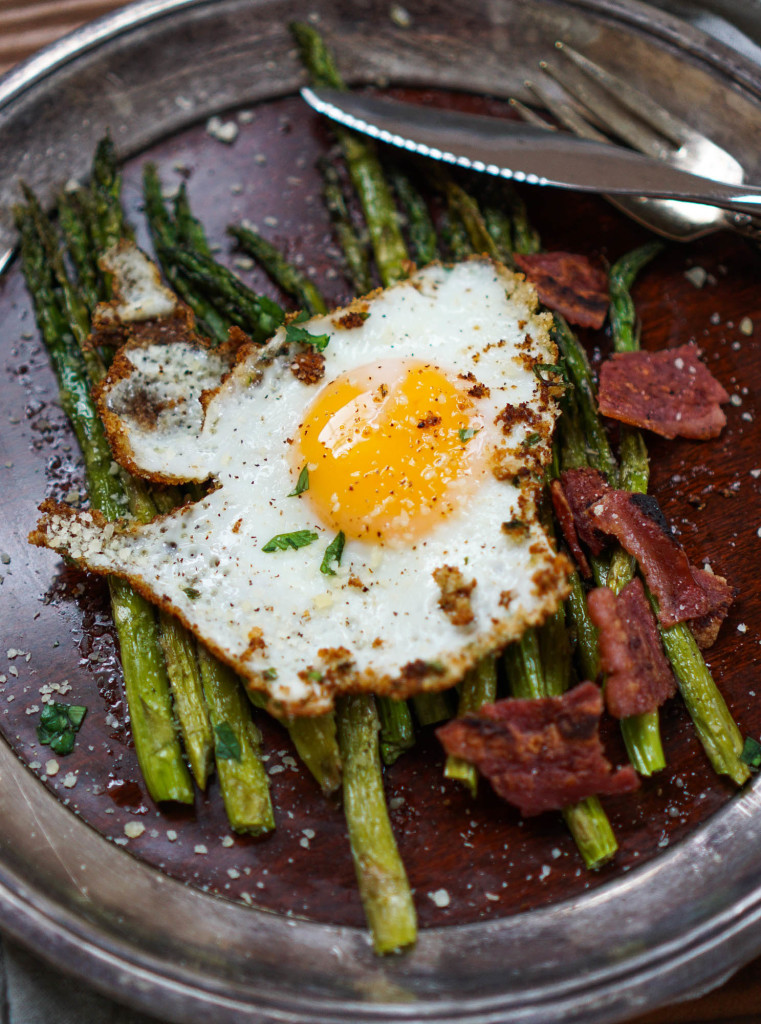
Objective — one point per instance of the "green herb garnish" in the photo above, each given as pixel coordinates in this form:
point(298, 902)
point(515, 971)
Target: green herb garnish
point(294, 333)
point(333, 553)
point(314, 675)
point(226, 745)
point(751, 753)
point(302, 484)
point(58, 726)
point(555, 369)
point(191, 593)
point(270, 673)
point(465, 433)
point(283, 541)
point(531, 440)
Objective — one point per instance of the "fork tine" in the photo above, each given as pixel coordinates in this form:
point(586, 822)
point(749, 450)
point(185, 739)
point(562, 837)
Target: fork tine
point(637, 102)
point(609, 111)
point(530, 116)
point(565, 113)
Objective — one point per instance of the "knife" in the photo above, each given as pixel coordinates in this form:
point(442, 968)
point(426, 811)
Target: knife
point(525, 152)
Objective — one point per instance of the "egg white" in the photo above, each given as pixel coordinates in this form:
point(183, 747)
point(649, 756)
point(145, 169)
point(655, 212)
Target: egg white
point(377, 624)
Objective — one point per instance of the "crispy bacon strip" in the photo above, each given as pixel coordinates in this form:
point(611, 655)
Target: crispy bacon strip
point(568, 283)
point(639, 676)
point(705, 628)
point(582, 489)
point(565, 518)
point(684, 592)
point(539, 754)
point(669, 392)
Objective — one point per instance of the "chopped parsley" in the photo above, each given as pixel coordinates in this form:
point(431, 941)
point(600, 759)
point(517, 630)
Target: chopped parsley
point(333, 553)
point(294, 333)
point(59, 724)
point(531, 440)
point(751, 753)
point(283, 541)
point(465, 433)
point(191, 593)
point(302, 484)
point(226, 745)
point(270, 673)
point(552, 369)
point(314, 675)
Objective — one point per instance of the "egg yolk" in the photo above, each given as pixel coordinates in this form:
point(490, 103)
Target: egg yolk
point(391, 449)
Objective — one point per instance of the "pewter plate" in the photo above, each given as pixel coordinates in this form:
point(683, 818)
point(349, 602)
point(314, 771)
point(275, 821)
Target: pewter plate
point(681, 923)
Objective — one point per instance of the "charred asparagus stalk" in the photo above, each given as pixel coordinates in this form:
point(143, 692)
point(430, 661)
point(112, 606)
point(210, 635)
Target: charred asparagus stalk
point(381, 877)
point(146, 682)
point(362, 162)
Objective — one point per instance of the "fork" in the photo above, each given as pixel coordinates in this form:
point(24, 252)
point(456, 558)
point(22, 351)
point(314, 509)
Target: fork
point(593, 98)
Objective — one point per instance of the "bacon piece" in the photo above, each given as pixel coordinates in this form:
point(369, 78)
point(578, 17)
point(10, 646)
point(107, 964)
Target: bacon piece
point(583, 488)
point(705, 628)
point(564, 516)
point(539, 754)
point(669, 392)
point(568, 283)
point(683, 591)
point(639, 676)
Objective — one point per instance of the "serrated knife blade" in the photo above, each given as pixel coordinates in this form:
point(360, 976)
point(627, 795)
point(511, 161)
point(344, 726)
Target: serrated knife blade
point(524, 152)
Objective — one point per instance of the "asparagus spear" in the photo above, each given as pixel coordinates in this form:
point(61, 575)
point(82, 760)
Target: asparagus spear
point(431, 708)
point(397, 732)
point(353, 249)
point(176, 642)
point(499, 226)
point(242, 778)
point(381, 877)
point(465, 207)
point(257, 315)
point(146, 683)
point(525, 237)
point(586, 634)
point(315, 742)
point(422, 233)
point(317, 745)
point(362, 163)
point(187, 227)
point(187, 696)
point(241, 786)
point(479, 687)
point(72, 219)
point(600, 453)
point(165, 239)
point(713, 721)
point(109, 225)
point(622, 275)
point(454, 236)
point(641, 732)
point(282, 273)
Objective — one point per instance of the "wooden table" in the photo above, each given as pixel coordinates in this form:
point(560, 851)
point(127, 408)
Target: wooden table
point(27, 25)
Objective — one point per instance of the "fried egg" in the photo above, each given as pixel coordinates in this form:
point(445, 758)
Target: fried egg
point(372, 524)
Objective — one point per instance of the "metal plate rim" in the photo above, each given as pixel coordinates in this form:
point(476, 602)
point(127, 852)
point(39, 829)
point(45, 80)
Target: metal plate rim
point(27, 916)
